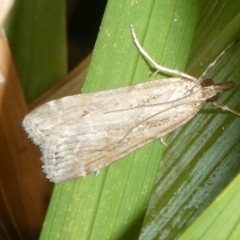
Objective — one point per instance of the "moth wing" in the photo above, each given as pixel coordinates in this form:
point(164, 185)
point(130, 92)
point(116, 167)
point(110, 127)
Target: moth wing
point(89, 145)
point(41, 121)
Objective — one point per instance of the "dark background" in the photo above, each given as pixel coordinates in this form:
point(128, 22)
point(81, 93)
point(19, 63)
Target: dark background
point(83, 21)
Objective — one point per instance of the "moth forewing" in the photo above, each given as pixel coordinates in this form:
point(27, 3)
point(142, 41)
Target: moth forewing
point(74, 107)
point(103, 135)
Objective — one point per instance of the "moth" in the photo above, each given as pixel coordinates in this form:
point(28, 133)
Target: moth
point(81, 134)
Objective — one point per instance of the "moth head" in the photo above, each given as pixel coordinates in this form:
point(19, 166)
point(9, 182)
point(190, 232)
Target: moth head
point(213, 89)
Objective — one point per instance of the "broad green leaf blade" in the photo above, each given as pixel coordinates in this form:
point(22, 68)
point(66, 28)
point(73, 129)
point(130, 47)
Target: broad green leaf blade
point(113, 204)
point(217, 28)
point(201, 157)
point(221, 220)
point(36, 34)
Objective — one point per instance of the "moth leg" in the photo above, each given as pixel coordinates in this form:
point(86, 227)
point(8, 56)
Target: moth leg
point(163, 142)
point(159, 68)
point(224, 107)
point(97, 173)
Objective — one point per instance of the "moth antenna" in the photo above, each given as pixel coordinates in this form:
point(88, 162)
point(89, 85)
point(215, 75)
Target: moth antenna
point(226, 108)
point(211, 65)
point(157, 66)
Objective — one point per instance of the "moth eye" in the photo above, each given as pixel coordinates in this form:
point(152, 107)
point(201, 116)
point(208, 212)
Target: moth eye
point(207, 82)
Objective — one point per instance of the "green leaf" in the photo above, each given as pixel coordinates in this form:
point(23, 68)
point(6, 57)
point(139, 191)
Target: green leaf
point(36, 34)
point(202, 157)
point(221, 219)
